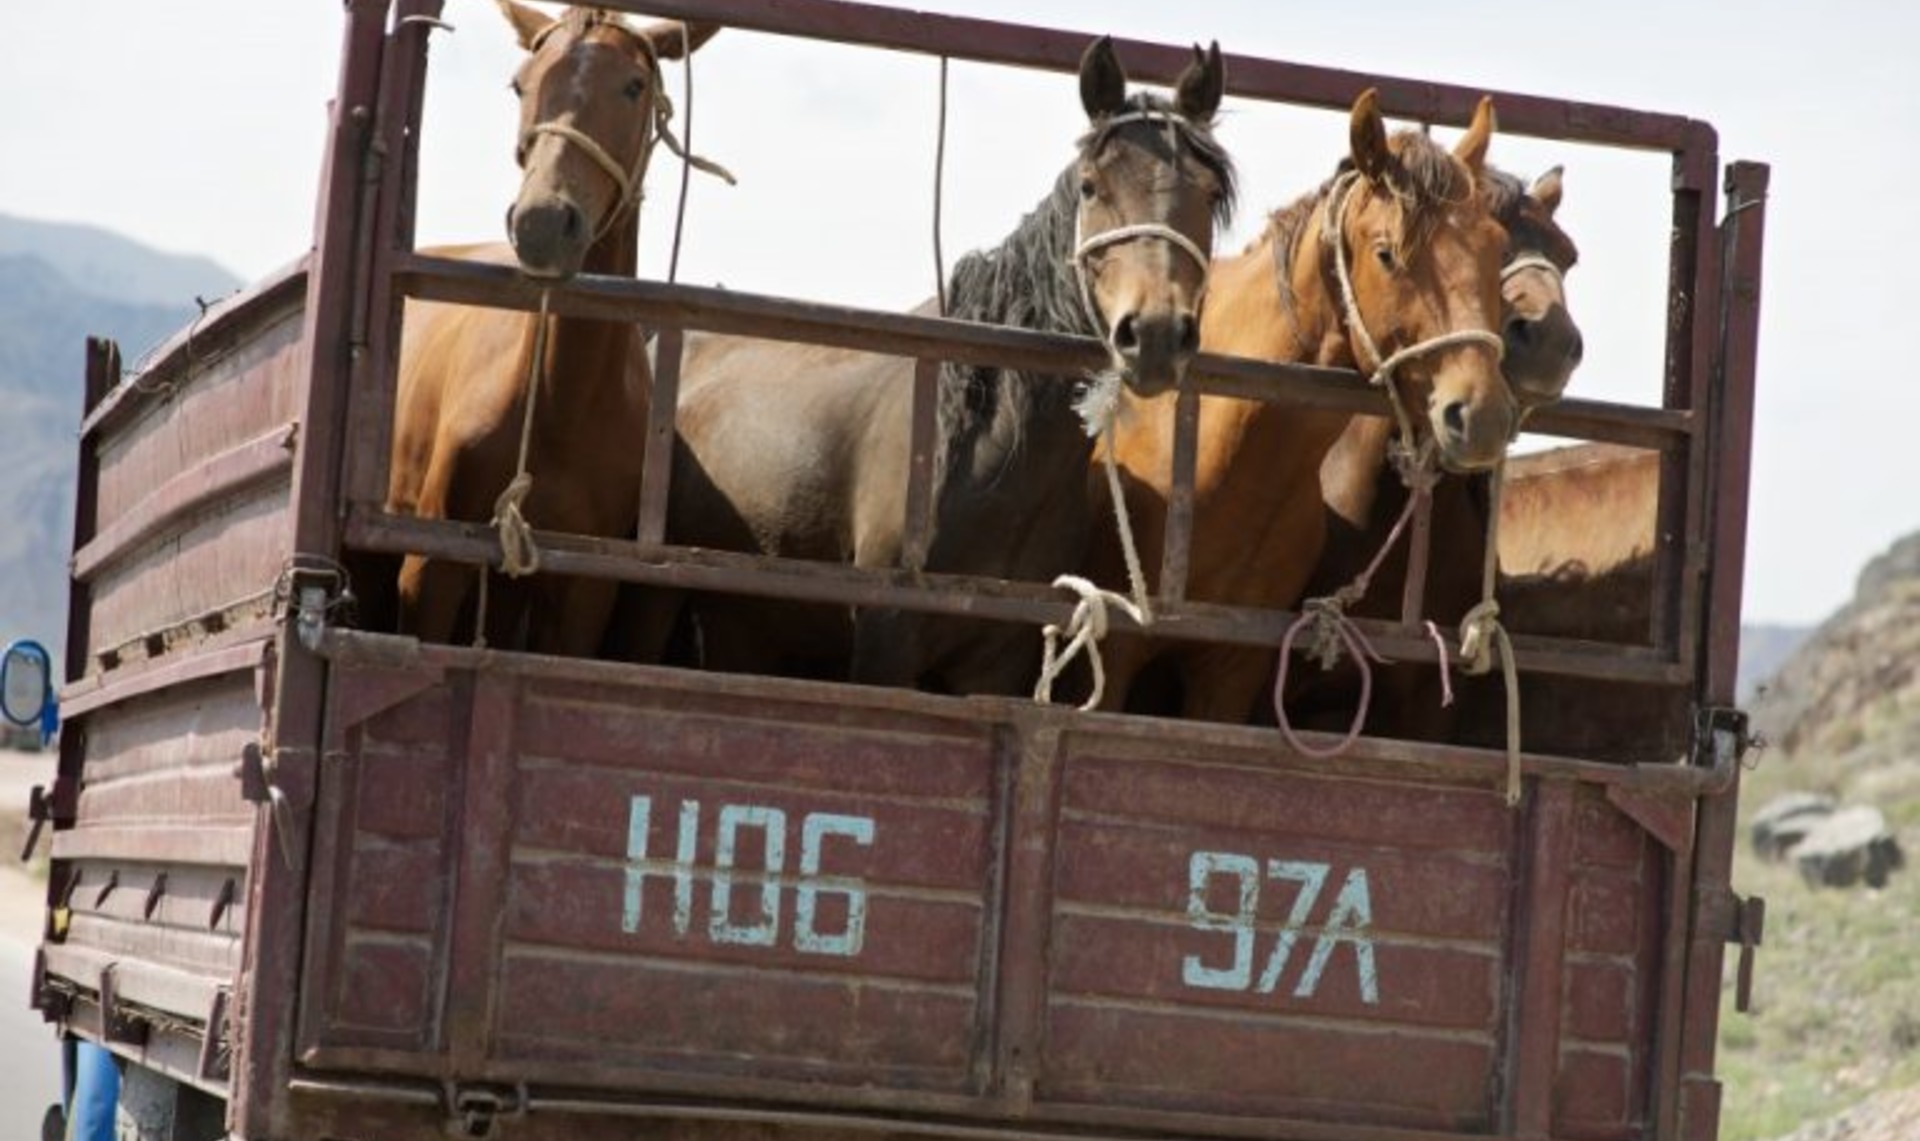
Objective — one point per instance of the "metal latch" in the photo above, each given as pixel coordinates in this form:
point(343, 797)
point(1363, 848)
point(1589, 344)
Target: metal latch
point(255, 771)
point(1721, 738)
point(1749, 924)
point(315, 590)
point(45, 806)
point(473, 1111)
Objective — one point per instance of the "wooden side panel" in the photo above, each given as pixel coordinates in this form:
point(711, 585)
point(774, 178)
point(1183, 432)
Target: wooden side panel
point(633, 885)
point(1237, 942)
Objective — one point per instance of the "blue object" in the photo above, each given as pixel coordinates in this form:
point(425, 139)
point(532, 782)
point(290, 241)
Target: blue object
point(93, 1091)
point(44, 710)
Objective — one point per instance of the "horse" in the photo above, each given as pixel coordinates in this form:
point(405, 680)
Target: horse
point(803, 451)
point(591, 110)
point(1365, 495)
point(1577, 553)
point(1392, 265)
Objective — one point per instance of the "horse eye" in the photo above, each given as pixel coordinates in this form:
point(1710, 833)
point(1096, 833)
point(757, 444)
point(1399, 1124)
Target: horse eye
point(634, 89)
point(1086, 188)
point(1383, 253)
point(514, 86)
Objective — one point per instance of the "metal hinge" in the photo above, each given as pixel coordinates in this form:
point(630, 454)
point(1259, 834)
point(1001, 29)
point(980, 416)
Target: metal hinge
point(45, 806)
point(473, 1111)
point(255, 771)
point(1736, 919)
point(317, 591)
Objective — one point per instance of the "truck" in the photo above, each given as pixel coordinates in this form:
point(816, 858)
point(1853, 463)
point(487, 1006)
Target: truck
point(315, 881)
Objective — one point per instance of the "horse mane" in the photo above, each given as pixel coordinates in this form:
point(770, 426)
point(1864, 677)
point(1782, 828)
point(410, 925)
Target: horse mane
point(1530, 230)
point(1426, 180)
point(1028, 281)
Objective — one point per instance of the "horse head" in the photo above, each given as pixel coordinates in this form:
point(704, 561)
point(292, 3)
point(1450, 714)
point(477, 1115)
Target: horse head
point(1153, 185)
point(1543, 344)
point(591, 109)
point(1419, 255)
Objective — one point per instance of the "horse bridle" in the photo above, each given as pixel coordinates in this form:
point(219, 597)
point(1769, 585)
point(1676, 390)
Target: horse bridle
point(1383, 369)
point(631, 182)
point(1085, 247)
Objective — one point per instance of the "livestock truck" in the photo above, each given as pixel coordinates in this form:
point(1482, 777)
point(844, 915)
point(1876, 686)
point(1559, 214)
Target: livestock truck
point(310, 880)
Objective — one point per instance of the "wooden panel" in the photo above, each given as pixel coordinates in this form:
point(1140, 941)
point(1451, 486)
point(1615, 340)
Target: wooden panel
point(1210, 921)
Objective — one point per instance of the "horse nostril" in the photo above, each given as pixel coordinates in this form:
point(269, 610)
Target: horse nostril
point(1126, 335)
point(1454, 418)
point(1519, 332)
point(571, 221)
point(1188, 331)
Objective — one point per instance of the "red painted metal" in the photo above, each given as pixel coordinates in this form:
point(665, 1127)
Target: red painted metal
point(364, 887)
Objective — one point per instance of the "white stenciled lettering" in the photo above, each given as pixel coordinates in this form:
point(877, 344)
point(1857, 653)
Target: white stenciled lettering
point(1348, 922)
point(753, 915)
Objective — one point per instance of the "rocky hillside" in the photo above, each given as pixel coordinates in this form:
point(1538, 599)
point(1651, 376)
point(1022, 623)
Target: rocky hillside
point(58, 284)
point(1831, 1051)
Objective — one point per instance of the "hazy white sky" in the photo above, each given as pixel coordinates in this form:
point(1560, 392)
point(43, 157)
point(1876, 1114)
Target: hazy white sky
point(197, 125)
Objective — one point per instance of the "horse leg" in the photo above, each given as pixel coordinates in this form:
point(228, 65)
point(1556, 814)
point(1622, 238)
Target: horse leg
point(570, 615)
point(433, 593)
point(1224, 683)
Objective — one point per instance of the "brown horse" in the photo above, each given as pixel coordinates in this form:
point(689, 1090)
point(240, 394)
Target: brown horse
point(1365, 495)
point(591, 109)
point(1420, 253)
point(1577, 550)
point(803, 451)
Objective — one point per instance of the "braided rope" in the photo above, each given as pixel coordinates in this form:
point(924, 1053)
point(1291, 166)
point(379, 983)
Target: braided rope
point(1482, 635)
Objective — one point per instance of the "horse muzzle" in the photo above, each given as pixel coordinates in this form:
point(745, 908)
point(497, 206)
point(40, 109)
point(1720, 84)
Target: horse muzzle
point(1154, 351)
point(550, 237)
point(1472, 436)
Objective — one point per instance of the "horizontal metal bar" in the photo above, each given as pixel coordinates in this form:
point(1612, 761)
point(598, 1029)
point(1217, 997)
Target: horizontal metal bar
point(225, 846)
point(1059, 50)
point(217, 477)
point(226, 324)
point(659, 304)
point(101, 689)
point(183, 994)
point(733, 572)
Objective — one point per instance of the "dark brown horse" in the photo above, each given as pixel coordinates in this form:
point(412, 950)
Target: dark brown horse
point(803, 451)
point(1420, 253)
point(1365, 496)
point(591, 109)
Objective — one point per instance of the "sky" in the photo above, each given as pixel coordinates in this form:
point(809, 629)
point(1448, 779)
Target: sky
point(197, 126)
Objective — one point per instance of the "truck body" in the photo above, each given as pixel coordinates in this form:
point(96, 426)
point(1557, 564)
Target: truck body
point(354, 886)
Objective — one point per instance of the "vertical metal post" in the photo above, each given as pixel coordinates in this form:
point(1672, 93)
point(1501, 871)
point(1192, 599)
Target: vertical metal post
point(263, 1049)
point(926, 421)
point(1176, 557)
point(656, 472)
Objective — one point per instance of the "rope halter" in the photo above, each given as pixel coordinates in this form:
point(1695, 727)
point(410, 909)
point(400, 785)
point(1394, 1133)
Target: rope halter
point(630, 181)
point(1086, 245)
point(1333, 221)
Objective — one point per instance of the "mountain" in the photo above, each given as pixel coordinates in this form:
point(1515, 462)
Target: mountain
point(102, 264)
point(1764, 649)
point(59, 284)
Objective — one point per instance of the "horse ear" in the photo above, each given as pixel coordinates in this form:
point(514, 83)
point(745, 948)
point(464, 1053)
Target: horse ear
point(527, 22)
point(1472, 147)
point(1202, 84)
point(1546, 191)
point(1103, 83)
point(668, 43)
point(1368, 138)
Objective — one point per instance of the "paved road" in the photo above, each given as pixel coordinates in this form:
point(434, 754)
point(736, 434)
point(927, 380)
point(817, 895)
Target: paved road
point(29, 1053)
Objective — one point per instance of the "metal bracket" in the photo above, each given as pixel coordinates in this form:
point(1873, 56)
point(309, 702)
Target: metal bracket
point(255, 772)
point(47, 806)
point(117, 1025)
point(1721, 738)
point(474, 1111)
point(216, 1051)
point(1722, 914)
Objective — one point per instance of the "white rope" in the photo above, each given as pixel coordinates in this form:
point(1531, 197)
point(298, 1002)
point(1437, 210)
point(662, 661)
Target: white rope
point(1537, 262)
point(1482, 635)
point(1085, 246)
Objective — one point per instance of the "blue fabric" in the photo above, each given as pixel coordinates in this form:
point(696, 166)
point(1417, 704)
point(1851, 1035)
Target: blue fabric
point(95, 1089)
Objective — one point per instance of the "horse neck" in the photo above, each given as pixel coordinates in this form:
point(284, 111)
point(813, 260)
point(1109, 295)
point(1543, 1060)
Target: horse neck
point(587, 358)
point(1248, 315)
point(1001, 423)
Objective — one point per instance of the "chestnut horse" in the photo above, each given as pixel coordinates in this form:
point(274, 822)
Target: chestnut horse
point(1365, 495)
point(591, 109)
point(803, 451)
point(1577, 554)
point(1394, 262)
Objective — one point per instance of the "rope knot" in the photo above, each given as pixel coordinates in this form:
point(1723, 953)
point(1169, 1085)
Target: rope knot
point(1326, 620)
point(1083, 631)
point(519, 554)
point(1480, 629)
